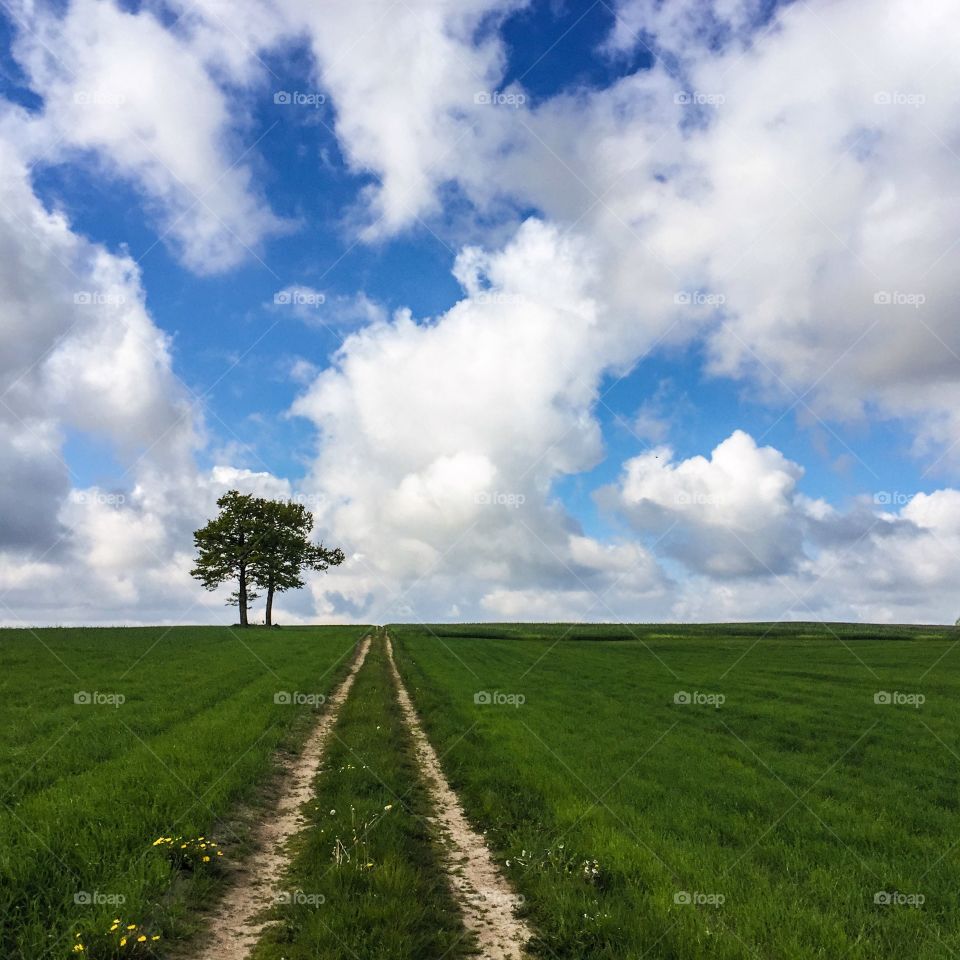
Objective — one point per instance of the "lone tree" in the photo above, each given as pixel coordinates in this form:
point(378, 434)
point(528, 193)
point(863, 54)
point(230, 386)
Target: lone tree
point(226, 547)
point(259, 543)
point(284, 549)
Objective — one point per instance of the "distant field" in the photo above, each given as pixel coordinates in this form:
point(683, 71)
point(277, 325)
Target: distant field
point(726, 791)
point(173, 728)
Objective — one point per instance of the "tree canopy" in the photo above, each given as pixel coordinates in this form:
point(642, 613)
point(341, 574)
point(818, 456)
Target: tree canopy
point(261, 544)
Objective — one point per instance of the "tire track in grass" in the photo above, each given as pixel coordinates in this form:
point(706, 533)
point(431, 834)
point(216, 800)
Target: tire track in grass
point(487, 901)
point(235, 926)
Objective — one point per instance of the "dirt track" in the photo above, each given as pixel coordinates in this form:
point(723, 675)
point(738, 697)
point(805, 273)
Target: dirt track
point(234, 926)
point(486, 900)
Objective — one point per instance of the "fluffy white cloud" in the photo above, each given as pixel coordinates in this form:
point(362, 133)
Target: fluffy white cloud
point(123, 87)
point(734, 514)
point(757, 548)
point(79, 352)
point(440, 439)
point(405, 80)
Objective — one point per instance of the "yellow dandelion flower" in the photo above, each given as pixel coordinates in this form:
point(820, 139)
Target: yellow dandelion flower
point(141, 939)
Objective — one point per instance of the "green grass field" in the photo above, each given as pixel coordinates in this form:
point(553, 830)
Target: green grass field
point(652, 791)
point(777, 810)
point(88, 786)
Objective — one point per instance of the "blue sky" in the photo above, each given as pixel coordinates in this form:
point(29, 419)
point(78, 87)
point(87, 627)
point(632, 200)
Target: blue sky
point(603, 178)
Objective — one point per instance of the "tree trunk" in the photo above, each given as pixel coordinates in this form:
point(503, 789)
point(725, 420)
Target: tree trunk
point(243, 597)
point(269, 617)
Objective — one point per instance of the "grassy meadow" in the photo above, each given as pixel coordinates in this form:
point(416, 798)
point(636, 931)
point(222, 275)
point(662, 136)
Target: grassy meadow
point(723, 791)
point(112, 738)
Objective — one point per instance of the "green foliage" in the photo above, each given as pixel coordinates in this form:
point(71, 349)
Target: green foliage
point(258, 542)
point(226, 546)
point(283, 548)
